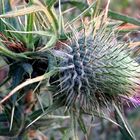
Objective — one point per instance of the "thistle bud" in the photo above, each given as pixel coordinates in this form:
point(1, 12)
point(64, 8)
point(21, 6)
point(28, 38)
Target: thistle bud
point(96, 71)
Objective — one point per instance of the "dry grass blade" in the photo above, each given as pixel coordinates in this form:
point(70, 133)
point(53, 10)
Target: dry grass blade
point(21, 12)
point(43, 33)
point(26, 83)
point(80, 15)
point(106, 12)
point(134, 44)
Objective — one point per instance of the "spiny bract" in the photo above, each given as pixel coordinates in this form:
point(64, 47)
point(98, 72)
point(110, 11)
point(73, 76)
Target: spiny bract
point(96, 70)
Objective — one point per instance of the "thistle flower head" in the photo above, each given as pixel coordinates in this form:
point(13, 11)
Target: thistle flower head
point(96, 70)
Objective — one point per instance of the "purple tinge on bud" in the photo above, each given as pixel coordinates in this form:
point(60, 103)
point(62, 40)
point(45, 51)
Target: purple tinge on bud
point(135, 100)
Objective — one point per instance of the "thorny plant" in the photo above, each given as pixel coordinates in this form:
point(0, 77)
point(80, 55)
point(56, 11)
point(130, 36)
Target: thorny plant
point(79, 65)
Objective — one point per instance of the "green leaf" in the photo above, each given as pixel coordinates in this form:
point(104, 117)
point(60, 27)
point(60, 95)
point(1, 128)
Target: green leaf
point(128, 19)
point(5, 81)
point(74, 127)
point(3, 118)
point(4, 8)
point(125, 129)
point(17, 72)
point(40, 114)
point(36, 113)
point(100, 115)
point(4, 51)
point(27, 68)
point(17, 75)
point(7, 6)
point(50, 3)
point(67, 135)
point(81, 124)
point(50, 43)
point(30, 22)
point(6, 132)
point(42, 33)
point(80, 5)
point(16, 35)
